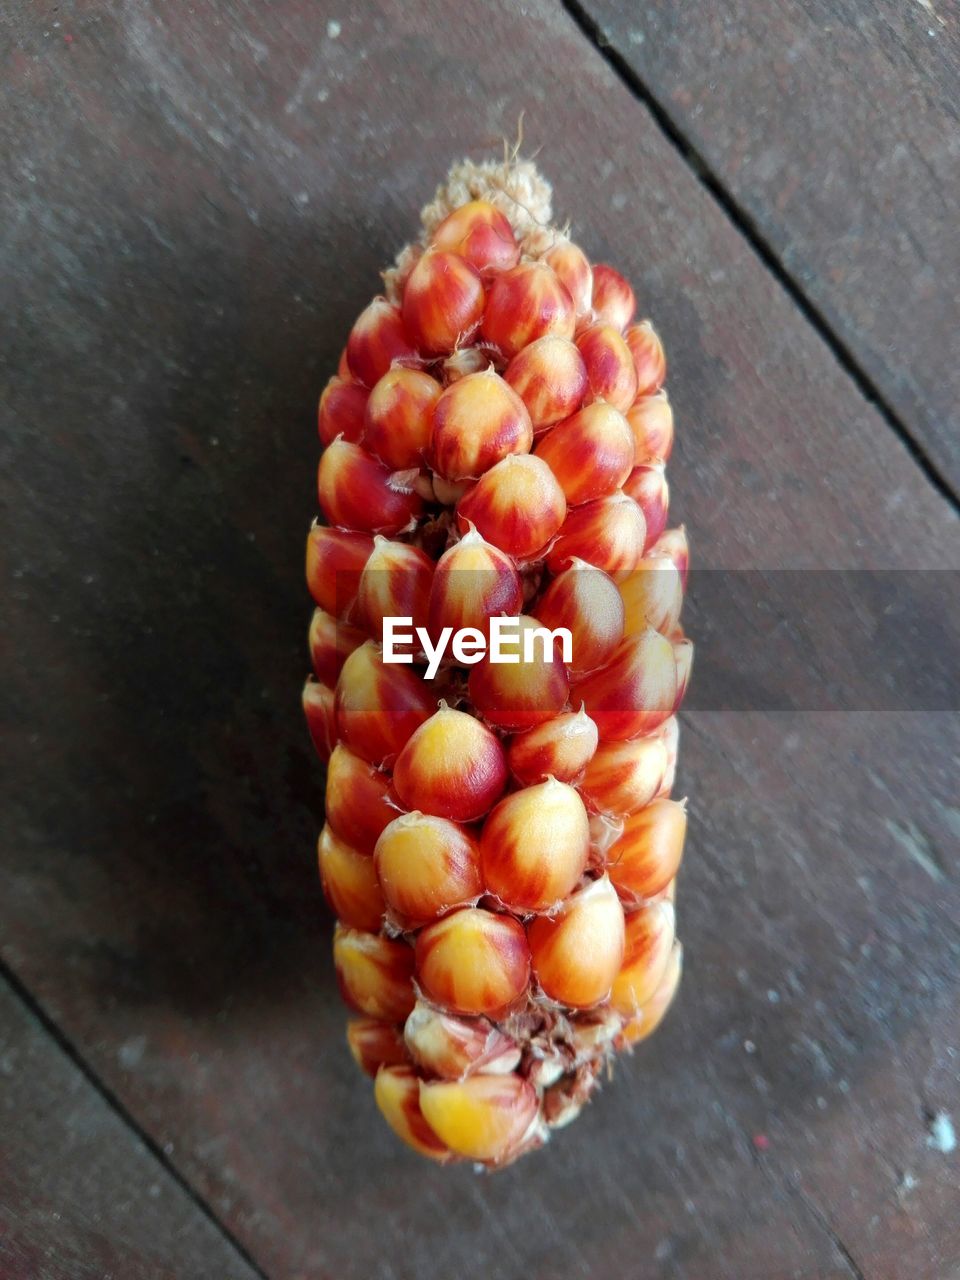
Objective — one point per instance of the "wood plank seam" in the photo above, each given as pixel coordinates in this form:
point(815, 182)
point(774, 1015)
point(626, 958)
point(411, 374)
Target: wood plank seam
point(142, 1135)
point(749, 228)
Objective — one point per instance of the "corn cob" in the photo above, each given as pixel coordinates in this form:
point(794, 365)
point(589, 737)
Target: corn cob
point(501, 844)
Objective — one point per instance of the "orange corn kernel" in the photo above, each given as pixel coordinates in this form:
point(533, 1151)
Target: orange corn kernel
point(647, 856)
point(357, 801)
point(518, 695)
point(561, 748)
point(427, 865)
point(399, 417)
point(517, 505)
point(377, 340)
point(609, 364)
point(649, 360)
point(683, 652)
point(550, 378)
point(375, 974)
point(651, 421)
point(483, 1117)
point(379, 705)
point(652, 595)
point(478, 420)
point(624, 776)
point(395, 583)
point(375, 1044)
point(453, 767)
point(649, 944)
point(481, 234)
point(335, 560)
point(457, 1047)
point(341, 410)
point(356, 490)
point(655, 1010)
point(647, 486)
point(331, 643)
point(635, 692)
point(473, 581)
point(534, 846)
point(442, 302)
point(588, 604)
point(319, 708)
point(669, 735)
point(575, 273)
point(608, 533)
point(525, 304)
point(591, 454)
point(473, 961)
point(397, 1093)
point(577, 953)
point(673, 543)
point(350, 883)
point(614, 302)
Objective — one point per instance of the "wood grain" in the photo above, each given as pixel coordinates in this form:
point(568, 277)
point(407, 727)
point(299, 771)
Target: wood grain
point(203, 203)
point(835, 128)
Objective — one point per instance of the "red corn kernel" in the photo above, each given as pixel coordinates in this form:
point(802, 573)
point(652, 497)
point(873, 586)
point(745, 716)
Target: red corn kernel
point(649, 944)
point(377, 339)
point(652, 595)
point(573, 269)
point(454, 1048)
point(613, 299)
point(473, 581)
point(442, 302)
point(561, 748)
point(588, 604)
point(651, 421)
point(375, 1044)
point(591, 454)
point(399, 417)
point(335, 560)
point(635, 692)
point(477, 421)
point(647, 856)
point(350, 883)
point(473, 961)
point(375, 974)
point(609, 365)
point(357, 802)
point(397, 1094)
point(319, 708)
point(609, 533)
point(516, 505)
point(683, 652)
point(525, 304)
point(341, 410)
point(483, 1117)
point(357, 491)
point(624, 776)
point(518, 695)
point(673, 543)
point(481, 234)
point(550, 378)
point(534, 846)
point(379, 706)
point(395, 583)
point(654, 1011)
point(331, 643)
point(427, 865)
point(577, 953)
point(343, 368)
point(647, 486)
point(452, 767)
point(649, 360)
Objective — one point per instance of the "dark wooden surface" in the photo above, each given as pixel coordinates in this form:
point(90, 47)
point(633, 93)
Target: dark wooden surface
point(834, 128)
point(201, 202)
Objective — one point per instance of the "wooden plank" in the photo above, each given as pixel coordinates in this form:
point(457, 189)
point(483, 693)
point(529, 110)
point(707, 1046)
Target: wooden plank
point(212, 195)
point(835, 128)
point(80, 1196)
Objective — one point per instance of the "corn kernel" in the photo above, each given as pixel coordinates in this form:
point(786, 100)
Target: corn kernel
point(335, 560)
point(649, 360)
point(341, 410)
point(577, 953)
point(457, 1047)
point(647, 951)
point(357, 800)
point(319, 708)
point(452, 767)
point(517, 506)
point(379, 706)
point(473, 581)
point(427, 865)
point(609, 533)
point(637, 689)
point(481, 234)
point(550, 378)
point(375, 1044)
point(611, 374)
point(655, 1010)
point(525, 304)
point(651, 421)
point(573, 269)
point(518, 695)
point(534, 846)
point(647, 486)
point(375, 973)
point(588, 604)
point(647, 856)
point(398, 419)
point(614, 302)
point(357, 491)
point(395, 583)
point(397, 1093)
point(442, 302)
point(652, 595)
point(350, 883)
point(624, 776)
point(483, 1117)
point(591, 453)
point(473, 962)
point(331, 642)
point(477, 421)
point(377, 340)
point(561, 748)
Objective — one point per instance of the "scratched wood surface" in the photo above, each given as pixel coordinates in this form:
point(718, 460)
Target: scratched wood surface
point(202, 203)
point(836, 129)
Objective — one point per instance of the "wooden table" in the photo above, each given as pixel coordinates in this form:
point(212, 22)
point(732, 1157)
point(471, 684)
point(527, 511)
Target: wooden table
point(197, 201)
